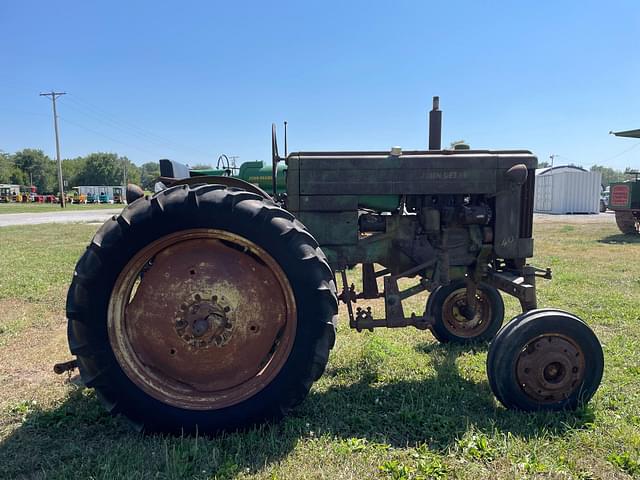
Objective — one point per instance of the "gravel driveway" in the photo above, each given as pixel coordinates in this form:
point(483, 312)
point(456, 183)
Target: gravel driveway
point(607, 217)
point(11, 219)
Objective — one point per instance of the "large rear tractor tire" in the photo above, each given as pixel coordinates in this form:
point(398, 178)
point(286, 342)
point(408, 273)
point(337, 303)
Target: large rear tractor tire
point(545, 360)
point(452, 323)
point(201, 309)
point(627, 222)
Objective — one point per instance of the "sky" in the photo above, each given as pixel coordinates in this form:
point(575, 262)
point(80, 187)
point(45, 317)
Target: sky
point(192, 80)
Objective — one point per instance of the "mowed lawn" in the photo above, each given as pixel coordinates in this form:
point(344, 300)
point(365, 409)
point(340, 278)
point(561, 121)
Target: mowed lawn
point(391, 405)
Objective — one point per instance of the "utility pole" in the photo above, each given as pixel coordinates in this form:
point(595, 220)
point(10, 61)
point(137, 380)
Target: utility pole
point(53, 96)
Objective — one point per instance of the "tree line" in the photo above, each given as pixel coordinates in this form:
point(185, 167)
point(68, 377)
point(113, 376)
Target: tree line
point(609, 175)
point(100, 168)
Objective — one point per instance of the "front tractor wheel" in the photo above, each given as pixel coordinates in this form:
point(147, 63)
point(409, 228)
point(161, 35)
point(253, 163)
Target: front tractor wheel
point(628, 222)
point(452, 320)
point(545, 360)
point(202, 309)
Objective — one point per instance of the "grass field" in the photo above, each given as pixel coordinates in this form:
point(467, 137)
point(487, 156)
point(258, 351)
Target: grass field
point(50, 207)
point(391, 405)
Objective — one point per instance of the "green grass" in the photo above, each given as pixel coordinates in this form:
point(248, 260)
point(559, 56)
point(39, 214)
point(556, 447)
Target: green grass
point(48, 207)
point(392, 404)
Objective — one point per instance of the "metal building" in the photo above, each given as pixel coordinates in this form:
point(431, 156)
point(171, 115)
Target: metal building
point(567, 189)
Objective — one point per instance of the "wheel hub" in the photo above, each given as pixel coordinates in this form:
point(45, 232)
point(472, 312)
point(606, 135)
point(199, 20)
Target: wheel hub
point(456, 315)
point(202, 319)
point(203, 323)
point(550, 368)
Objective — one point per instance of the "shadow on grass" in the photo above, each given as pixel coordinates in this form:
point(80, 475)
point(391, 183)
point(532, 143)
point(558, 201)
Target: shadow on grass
point(79, 440)
point(620, 239)
point(437, 410)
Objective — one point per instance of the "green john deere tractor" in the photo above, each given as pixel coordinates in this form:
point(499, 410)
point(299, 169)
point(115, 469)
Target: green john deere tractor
point(212, 305)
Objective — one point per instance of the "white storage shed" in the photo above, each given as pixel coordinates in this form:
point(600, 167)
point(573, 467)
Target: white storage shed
point(567, 189)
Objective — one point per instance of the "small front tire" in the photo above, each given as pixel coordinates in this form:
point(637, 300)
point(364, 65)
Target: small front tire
point(447, 303)
point(545, 360)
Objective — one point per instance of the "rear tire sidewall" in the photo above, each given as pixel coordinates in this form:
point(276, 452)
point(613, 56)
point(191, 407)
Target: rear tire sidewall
point(215, 209)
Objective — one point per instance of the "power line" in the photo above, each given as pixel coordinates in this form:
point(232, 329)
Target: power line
point(131, 126)
point(95, 132)
point(53, 96)
point(116, 126)
point(622, 152)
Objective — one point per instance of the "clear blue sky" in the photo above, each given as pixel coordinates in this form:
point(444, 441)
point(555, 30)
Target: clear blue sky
point(195, 79)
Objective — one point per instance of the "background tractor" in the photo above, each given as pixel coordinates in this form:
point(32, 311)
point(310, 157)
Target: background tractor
point(624, 197)
point(5, 194)
point(212, 304)
point(624, 200)
point(118, 195)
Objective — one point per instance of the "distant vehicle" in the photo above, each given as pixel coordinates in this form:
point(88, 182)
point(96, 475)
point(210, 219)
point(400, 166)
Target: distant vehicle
point(604, 199)
point(76, 196)
point(118, 196)
point(102, 193)
point(5, 194)
point(9, 192)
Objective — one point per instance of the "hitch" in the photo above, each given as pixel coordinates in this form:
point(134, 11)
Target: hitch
point(60, 368)
point(393, 297)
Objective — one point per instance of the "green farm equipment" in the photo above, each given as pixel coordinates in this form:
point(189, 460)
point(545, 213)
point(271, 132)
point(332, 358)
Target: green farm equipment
point(256, 173)
point(624, 197)
point(212, 304)
point(118, 196)
point(624, 200)
point(103, 197)
point(5, 195)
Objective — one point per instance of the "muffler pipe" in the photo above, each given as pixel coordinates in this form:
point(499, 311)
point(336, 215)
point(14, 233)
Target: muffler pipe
point(435, 126)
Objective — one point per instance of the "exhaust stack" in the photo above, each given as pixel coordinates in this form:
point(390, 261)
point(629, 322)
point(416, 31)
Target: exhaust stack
point(435, 126)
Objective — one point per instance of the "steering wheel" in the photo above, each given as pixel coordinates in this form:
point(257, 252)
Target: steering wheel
point(275, 158)
point(221, 160)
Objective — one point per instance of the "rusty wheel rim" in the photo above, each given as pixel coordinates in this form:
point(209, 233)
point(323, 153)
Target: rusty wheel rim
point(550, 368)
point(457, 323)
point(202, 319)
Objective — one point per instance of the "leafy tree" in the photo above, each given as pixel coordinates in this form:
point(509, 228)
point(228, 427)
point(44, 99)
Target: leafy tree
point(94, 169)
point(202, 166)
point(133, 172)
point(7, 167)
point(41, 168)
point(102, 169)
point(149, 172)
point(609, 174)
point(71, 168)
point(543, 164)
